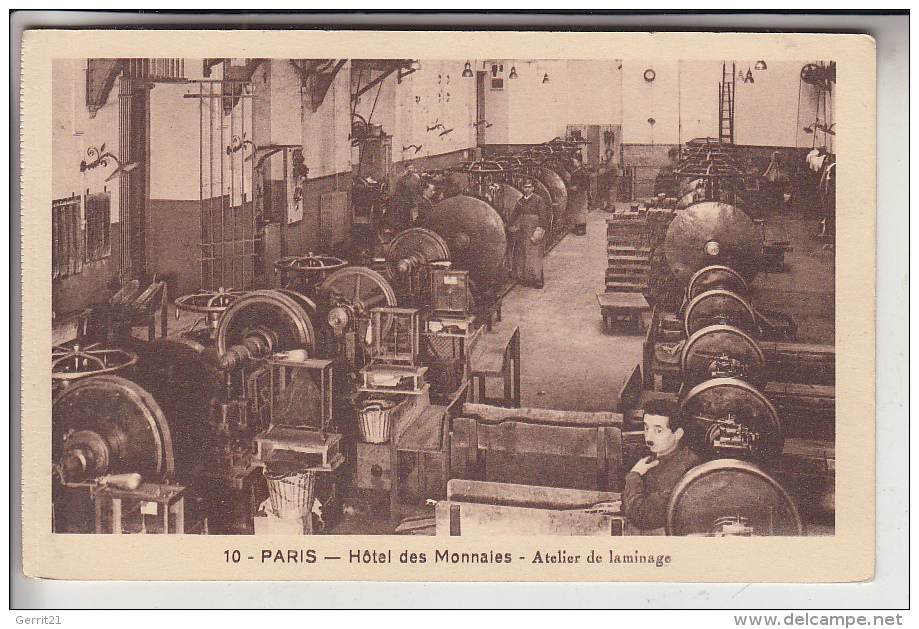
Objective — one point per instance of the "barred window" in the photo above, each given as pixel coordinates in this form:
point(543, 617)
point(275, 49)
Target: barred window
point(66, 237)
point(98, 221)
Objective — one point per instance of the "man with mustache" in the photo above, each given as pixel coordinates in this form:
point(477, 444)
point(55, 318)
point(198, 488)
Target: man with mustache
point(649, 485)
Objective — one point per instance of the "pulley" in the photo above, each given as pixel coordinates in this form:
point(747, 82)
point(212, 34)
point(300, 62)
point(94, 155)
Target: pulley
point(413, 248)
point(712, 233)
point(718, 307)
point(352, 292)
point(107, 425)
point(730, 418)
point(721, 351)
point(73, 361)
point(731, 498)
point(715, 277)
point(264, 322)
point(475, 234)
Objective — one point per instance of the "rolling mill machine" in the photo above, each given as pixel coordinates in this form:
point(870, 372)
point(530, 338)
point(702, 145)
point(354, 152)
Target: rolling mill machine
point(756, 399)
point(295, 388)
point(760, 408)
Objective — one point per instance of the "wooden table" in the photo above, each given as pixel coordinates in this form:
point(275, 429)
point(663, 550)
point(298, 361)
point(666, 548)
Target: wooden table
point(169, 501)
point(615, 305)
point(497, 356)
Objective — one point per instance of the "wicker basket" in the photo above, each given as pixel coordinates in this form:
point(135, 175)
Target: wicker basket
point(375, 419)
point(291, 493)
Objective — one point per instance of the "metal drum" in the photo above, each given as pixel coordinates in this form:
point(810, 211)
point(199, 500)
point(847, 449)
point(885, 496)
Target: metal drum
point(730, 418)
point(413, 247)
point(715, 277)
point(108, 425)
point(712, 233)
point(274, 314)
point(716, 307)
point(474, 231)
point(721, 351)
point(182, 377)
point(731, 498)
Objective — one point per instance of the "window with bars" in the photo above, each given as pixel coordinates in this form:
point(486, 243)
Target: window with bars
point(98, 226)
point(66, 237)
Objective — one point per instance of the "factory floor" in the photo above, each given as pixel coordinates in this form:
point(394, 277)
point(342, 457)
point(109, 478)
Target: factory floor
point(570, 362)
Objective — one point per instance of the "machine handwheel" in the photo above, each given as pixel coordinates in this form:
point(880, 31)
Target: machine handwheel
point(715, 277)
point(718, 307)
point(730, 418)
point(731, 498)
point(72, 361)
point(208, 301)
point(311, 269)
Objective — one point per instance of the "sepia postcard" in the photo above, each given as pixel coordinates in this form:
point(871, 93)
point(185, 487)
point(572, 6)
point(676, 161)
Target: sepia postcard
point(448, 306)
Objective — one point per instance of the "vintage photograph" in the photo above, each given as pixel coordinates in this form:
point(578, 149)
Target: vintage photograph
point(455, 297)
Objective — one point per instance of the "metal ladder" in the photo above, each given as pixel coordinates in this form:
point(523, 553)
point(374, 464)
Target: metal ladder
point(726, 106)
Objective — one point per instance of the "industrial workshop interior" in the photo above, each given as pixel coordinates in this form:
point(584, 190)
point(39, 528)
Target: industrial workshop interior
point(443, 297)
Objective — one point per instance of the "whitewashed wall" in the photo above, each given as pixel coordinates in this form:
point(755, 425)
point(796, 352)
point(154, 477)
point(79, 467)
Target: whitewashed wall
point(73, 132)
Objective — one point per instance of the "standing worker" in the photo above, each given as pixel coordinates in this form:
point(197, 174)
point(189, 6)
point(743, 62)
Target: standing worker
point(528, 230)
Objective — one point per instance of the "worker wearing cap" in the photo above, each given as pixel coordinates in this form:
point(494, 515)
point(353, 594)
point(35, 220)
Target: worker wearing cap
point(528, 230)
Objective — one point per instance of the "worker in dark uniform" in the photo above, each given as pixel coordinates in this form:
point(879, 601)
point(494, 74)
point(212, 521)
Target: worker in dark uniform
point(528, 230)
point(406, 199)
point(651, 482)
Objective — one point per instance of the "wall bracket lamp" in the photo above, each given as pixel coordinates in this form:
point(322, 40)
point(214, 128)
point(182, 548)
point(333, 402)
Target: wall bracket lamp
point(101, 157)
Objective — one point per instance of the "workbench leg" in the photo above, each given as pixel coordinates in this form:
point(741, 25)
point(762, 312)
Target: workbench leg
point(393, 479)
point(506, 372)
point(164, 316)
point(98, 505)
point(116, 516)
point(455, 529)
point(516, 361)
point(180, 516)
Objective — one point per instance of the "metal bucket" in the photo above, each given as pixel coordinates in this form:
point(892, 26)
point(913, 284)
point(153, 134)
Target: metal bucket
point(375, 420)
point(291, 493)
